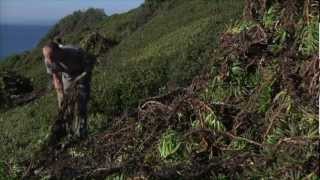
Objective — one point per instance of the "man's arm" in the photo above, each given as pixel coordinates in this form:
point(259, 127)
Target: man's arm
point(56, 75)
point(58, 85)
point(50, 59)
point(57, 82)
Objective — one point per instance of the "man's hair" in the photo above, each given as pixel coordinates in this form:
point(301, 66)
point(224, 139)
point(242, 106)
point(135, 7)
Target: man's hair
point(54, 46)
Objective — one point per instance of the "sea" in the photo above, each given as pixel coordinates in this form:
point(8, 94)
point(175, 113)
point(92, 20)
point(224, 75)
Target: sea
point(15, 39)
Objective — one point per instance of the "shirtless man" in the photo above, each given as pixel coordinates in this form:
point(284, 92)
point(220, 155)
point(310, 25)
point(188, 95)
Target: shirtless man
point(66, 64)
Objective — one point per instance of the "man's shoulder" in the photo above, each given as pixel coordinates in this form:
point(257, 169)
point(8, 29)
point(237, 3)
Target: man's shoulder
point(71, 50)
point(69, 46)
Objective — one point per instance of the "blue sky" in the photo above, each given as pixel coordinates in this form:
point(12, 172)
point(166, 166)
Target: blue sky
point(49, 11)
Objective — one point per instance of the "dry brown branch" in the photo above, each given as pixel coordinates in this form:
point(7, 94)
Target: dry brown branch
point(103, 172)
point(108, 135)
point(242, 138)
point(272, 118)
point(298, 141)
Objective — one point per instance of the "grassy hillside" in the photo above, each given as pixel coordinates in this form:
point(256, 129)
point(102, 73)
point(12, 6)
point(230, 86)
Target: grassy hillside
point(155, 49)
point(186, 90)
point(172, 47)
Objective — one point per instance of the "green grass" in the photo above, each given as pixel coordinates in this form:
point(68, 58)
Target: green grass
point(172, 47)
point(24, 128)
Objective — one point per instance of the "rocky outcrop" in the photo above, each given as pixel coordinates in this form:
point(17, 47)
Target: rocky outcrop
point(13, 88)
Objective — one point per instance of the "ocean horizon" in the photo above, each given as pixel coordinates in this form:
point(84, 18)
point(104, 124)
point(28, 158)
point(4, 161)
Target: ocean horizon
point(17, 38)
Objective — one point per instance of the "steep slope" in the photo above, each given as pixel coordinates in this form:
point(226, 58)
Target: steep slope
point(251, 114)
point(255, 119)
point(155, 49)
point(172, 48)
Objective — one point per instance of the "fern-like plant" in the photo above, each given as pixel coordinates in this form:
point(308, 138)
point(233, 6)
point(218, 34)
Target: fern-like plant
point(279, 39)
point(213, 123)
point(116, 177)
point(271, 17)
point(240, 26)
point(309, 38)
point(169, 144)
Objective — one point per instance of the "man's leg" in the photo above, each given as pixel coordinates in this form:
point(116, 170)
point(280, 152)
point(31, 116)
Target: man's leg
point(81, 124)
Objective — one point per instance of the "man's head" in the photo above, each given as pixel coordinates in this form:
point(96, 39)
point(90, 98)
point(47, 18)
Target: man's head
point(51, 52)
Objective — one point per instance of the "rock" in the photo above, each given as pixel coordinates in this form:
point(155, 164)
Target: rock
point(13, 87)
